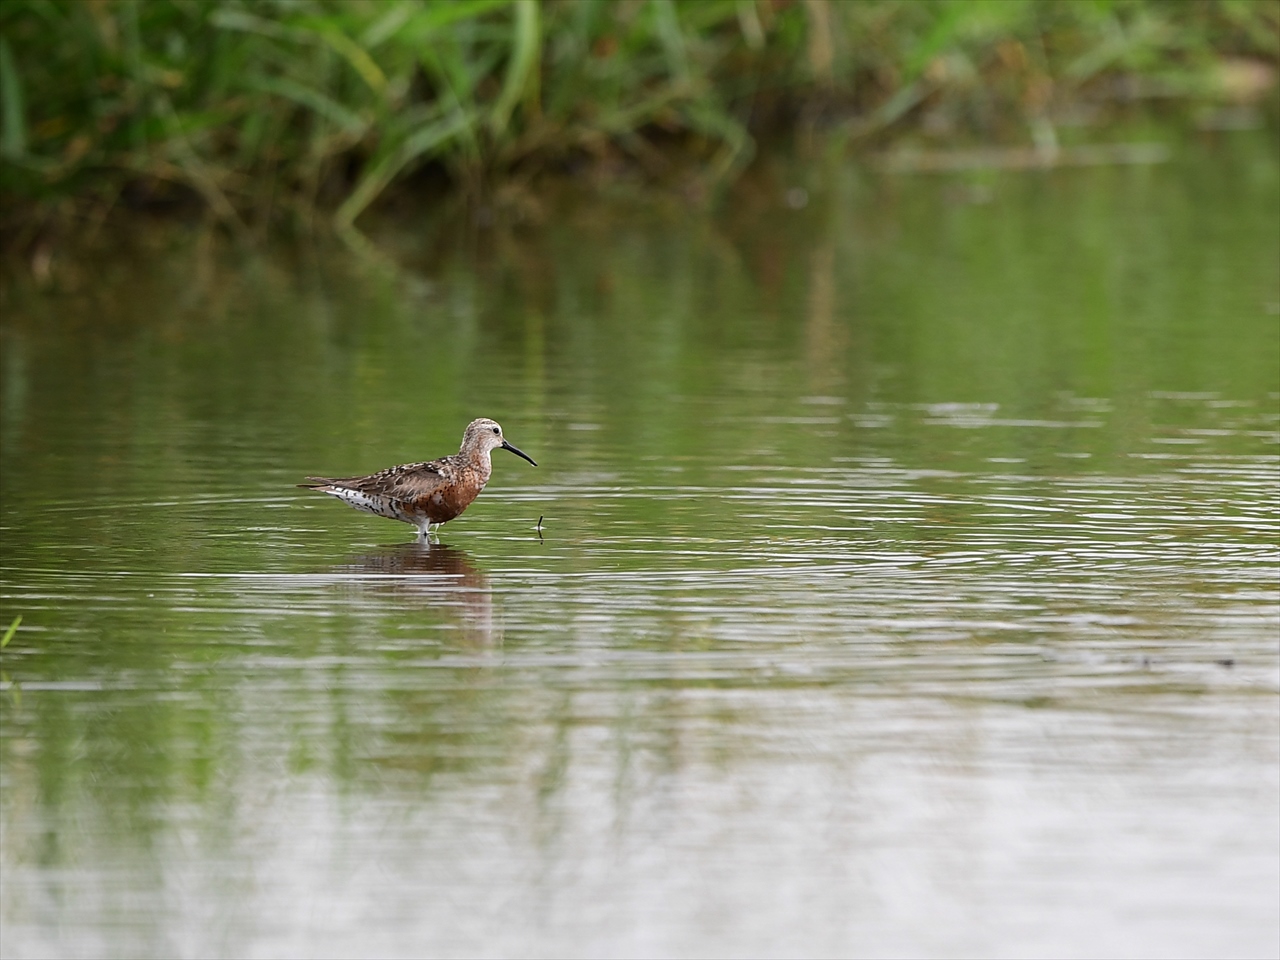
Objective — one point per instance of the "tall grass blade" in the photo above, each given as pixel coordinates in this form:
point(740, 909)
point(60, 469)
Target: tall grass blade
point(358, 57)
point(382, 171)
point(431, 19)
point(248, 23)
point(345, 119)
point(524, 57)
point(386, 26)
point(672, 38)
point(13, 129)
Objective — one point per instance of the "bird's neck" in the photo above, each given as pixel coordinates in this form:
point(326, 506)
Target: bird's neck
point(479, 463)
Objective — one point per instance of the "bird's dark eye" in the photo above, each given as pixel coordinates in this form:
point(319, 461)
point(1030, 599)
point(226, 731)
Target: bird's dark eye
point(496, 430)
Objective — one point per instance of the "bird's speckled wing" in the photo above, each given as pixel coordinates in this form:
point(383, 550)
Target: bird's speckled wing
point(407, 483)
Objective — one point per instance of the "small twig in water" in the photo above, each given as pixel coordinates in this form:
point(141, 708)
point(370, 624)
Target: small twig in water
point(8, 634)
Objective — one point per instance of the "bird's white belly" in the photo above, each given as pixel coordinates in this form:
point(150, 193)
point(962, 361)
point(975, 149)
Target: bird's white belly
point(377, 505)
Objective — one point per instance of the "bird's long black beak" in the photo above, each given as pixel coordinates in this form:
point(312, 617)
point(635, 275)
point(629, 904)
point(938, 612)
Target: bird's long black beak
point(518, 452)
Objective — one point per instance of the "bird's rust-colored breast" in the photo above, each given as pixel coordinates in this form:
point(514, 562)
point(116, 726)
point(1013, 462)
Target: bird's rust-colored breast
point(450, 499)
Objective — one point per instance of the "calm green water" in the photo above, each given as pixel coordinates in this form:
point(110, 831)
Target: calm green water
point(907, 581)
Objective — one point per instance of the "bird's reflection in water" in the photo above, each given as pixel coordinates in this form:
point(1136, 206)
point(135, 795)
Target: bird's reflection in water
point(435, 575)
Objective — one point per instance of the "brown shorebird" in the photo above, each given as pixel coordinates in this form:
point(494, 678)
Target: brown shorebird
point(425, 493)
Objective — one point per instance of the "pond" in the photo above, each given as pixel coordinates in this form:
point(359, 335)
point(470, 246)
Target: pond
point(899, 576)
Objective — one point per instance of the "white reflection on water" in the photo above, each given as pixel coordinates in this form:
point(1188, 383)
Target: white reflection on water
point(700, 821)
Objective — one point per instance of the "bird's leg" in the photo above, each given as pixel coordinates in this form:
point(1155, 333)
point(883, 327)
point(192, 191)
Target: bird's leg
point(424, 530)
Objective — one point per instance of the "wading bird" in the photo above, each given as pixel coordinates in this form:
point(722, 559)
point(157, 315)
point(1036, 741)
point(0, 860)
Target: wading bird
point(427, 493)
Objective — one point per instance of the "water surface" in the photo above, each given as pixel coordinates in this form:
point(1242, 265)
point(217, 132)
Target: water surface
point(899, 577)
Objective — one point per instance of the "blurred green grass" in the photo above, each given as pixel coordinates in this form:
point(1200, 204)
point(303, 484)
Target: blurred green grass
point(259, 109)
